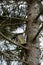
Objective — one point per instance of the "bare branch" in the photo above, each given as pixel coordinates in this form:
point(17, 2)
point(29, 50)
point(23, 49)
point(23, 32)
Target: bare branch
point(12, 18)
point(8, 56)
point(38, 32)
point(9, 24)
point(13, 42)
point(38, 16)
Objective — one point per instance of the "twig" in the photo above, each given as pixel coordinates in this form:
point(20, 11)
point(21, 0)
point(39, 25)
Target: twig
point(7, 55)
point(13, 18)
point(9, 24)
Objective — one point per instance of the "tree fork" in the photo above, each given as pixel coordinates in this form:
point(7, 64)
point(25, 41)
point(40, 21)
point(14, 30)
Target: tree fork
point(37, 33)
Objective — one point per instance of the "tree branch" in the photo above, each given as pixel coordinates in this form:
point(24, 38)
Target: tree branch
point(7, 55)
point(11, 24)
point(13, 42)
point(12, 18)
point(37, 16)
point(37, 33)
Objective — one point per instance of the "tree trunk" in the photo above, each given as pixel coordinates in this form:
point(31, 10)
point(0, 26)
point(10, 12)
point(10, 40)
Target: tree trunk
point(32, 28)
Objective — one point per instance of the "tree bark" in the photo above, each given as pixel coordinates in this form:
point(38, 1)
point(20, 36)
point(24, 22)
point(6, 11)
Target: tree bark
point(32, 28)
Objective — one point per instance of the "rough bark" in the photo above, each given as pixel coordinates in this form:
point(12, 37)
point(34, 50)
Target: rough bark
point(32, 28)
